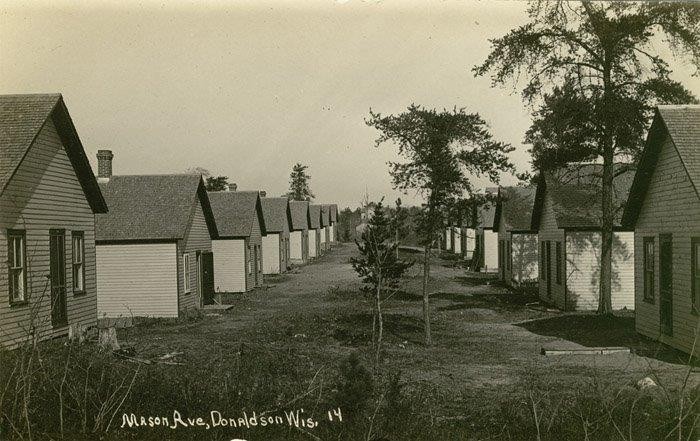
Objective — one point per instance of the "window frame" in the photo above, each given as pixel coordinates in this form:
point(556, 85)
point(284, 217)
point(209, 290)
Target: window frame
point(649, 285)
point(558, 256)
point(695, 275)
point(79, 235)
point(11, 235)
point(186, 283)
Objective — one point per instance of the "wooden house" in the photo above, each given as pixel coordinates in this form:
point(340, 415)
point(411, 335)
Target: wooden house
point(275, 241)
point(567, 216)
point(299, 234)
point(238, 253)
point(48, 201)
point(325, 228)
point(517, 242)
point(664, 209)
point(154, 246)
point(314, 231)
point(486, 246)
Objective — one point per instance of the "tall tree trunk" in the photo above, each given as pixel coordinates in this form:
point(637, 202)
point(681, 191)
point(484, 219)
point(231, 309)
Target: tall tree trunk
point(605, 293)
point(426, 298)
point(380, 325)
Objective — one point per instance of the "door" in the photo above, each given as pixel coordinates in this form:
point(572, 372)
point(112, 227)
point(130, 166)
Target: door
point(548, 267)
point(57, 277)
point(207, 277)
point(666, 283)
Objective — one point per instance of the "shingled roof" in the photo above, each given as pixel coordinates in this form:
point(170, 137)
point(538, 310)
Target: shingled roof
point(314, 216)
point(575, 194)
point(151, 207)
point(276, 214)
point(325, 215)
point(514, 206)
point(21, 119)
point(300, 215)
point(235, 212)
point(682, 124)
point(334, 212)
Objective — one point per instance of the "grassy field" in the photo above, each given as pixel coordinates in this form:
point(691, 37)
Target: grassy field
point(304, 342)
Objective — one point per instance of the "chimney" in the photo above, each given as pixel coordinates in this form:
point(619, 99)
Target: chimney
point(263, 193)
point(104, 165)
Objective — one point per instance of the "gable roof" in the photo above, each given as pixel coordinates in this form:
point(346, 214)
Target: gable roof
point(21, 119)
point(682, 124)
point(276, 214)
point(325, 215)
point(575, 194)
point(314, 216)
point(235, 212)
point(152, 207)
point(334, 212)
point(300, 214)
point(514, 206)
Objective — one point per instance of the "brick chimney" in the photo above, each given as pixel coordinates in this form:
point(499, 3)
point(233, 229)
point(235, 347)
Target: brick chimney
point(104, 165)
point(263, 193)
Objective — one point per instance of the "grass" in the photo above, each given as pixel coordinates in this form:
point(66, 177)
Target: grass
point(305, 344)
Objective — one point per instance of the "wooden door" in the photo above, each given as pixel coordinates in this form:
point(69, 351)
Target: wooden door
point(548, 266)
point(57, 277)
point(207, 277)
point(666, 283)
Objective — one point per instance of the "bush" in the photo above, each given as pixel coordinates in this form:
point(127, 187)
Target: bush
point(355, 387)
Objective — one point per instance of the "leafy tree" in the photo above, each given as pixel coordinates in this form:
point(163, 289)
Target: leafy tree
point(299, 184)
point(442, 151)
point(593, 73)
point(379, 267)
point(219, 183)
point(399, 224)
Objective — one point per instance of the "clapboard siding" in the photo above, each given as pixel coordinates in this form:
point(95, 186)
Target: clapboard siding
point(43, 194)
point(137, 280)
point(490, 250)
point(549, 231)
point(298, 243)
point(313, 248)
point(332, 233)
point(271, 253)
point(583, 254)
point(229, 265)
point(524, 258)
point(196, 239)
point(671, 206)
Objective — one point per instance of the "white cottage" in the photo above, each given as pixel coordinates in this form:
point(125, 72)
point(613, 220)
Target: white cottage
point(664, 209)
point(567, 216)
point(275, 241)
point(48, 201)
point(299, 234)
point(154, 252)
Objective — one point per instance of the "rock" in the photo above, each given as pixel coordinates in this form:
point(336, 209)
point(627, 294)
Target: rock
point(645, 383)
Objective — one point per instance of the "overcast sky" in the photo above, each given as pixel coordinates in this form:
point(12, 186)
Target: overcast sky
point(246, 89)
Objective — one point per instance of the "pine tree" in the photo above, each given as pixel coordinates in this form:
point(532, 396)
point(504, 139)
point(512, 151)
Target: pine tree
point(299, 189)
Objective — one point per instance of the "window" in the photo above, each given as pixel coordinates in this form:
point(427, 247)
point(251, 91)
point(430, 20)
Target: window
point(186, 271)
point(78, 262)
point(649, 256)
point(249, 261)
point(695, 273)
point(558, 256)
point(17, 265)
point(543, 260)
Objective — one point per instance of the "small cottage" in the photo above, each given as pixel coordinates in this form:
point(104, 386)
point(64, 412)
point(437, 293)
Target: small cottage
point(314, 231)
point(299, 234)
point(275, 241)
point(567, 216)
point(517, 242)
point(325, 228)
point(48, 200)
point(238, 253)
point(158, 231)
point(486, 246)
point(664, 209)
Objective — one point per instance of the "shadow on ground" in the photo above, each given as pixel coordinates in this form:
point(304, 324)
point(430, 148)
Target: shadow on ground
point(605, 330)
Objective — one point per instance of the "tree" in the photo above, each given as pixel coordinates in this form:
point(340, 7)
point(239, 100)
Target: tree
point(399, 224)
point(593, 76)
point(299, 184)
point(443, 150)
point(219, 183)
point(379, 267)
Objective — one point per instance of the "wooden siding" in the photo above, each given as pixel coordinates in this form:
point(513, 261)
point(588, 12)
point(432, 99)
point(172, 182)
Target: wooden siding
point(332, 233)
point(271, 253)
point(670, 206)
point(490, 250)
point(583, 251)
point(457, 241)
point(313, 249)
point(43, 194)
point(229, 265)
point(448, 238)
point(255, 240)
point(196, 239)
point(298, 243)
point(138, 280)
point(524, 258)
point(469, 237)
point(550, 232)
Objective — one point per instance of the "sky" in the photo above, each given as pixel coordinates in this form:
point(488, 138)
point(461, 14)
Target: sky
point(247, 88)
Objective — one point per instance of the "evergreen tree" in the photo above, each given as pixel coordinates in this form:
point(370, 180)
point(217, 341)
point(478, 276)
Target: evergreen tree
point(299, 189)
